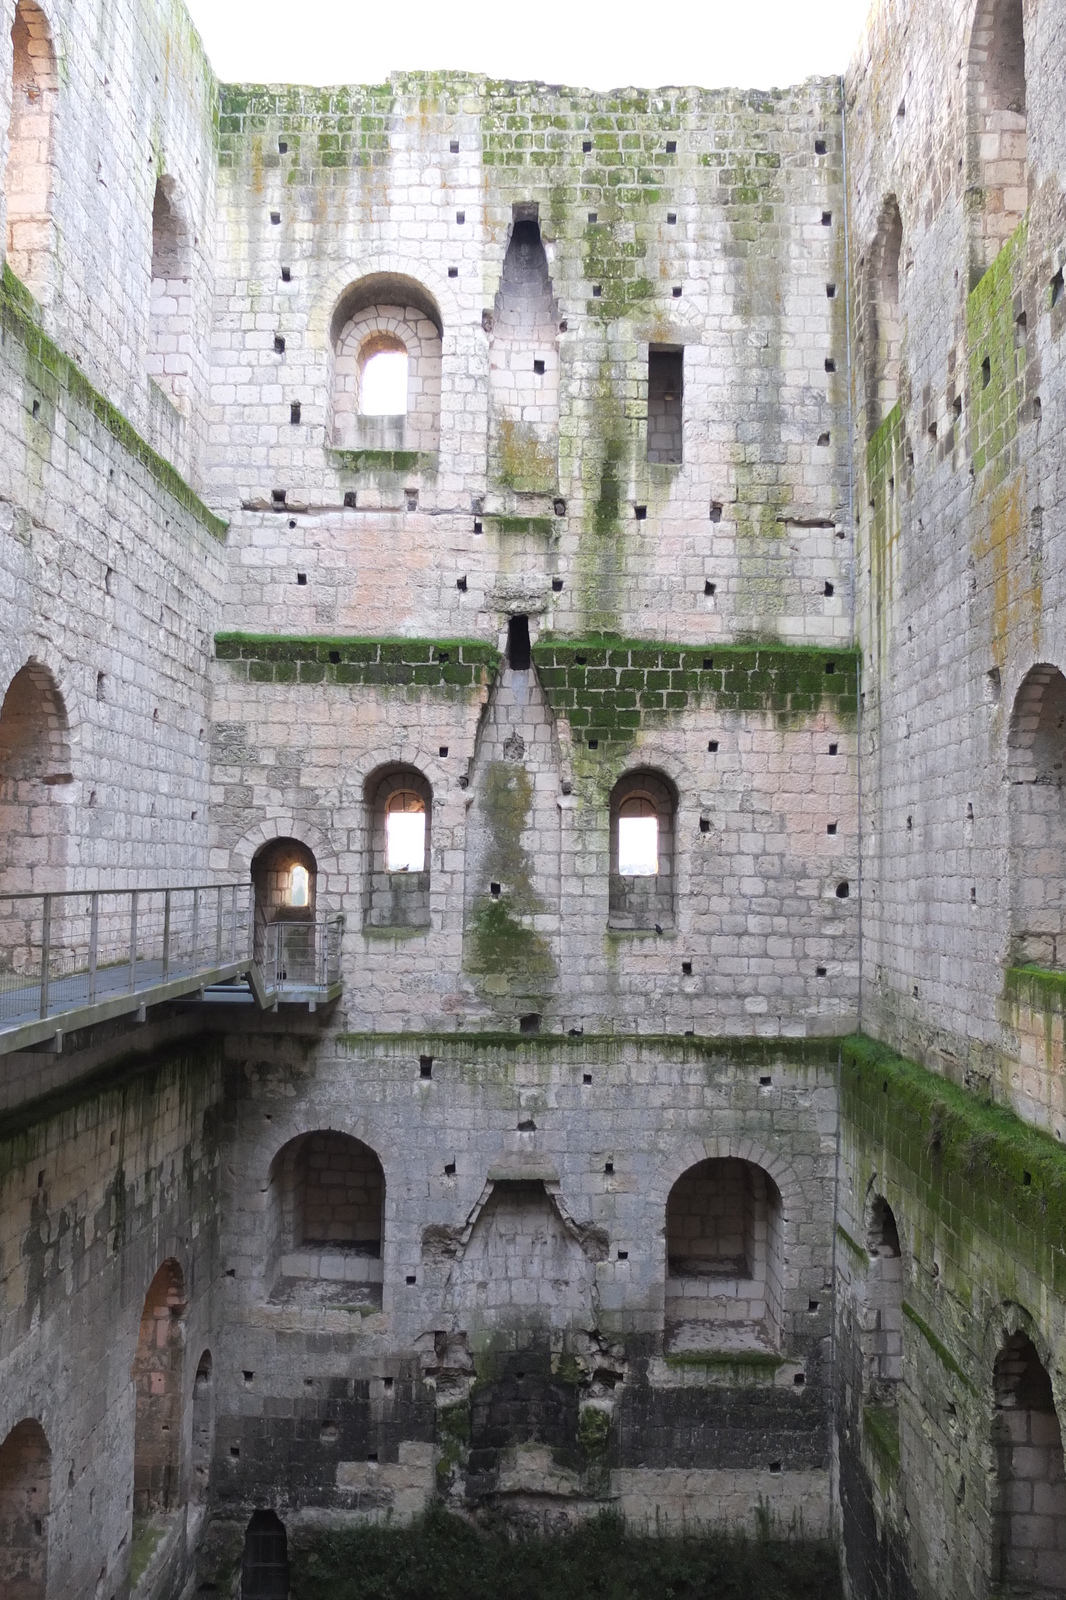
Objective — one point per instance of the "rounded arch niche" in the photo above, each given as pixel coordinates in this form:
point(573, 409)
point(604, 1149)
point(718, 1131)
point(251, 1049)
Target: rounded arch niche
point(1036, 770)
point(326, 1216)
point(386, 339)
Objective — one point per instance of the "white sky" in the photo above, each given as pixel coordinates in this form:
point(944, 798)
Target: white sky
point(595, 44)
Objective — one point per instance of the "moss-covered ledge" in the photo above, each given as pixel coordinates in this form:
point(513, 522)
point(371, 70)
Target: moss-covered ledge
point(51, 372)
point(401, 663)
point(403, 461)
point(1036, 989)
point(608, 688)
point(975, 1165)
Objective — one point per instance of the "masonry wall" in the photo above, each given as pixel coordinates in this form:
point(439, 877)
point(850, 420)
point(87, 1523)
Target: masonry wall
point(97, 1191)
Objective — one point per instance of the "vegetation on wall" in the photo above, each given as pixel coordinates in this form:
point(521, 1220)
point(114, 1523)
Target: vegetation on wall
point(444, 1558)
point(430, 663)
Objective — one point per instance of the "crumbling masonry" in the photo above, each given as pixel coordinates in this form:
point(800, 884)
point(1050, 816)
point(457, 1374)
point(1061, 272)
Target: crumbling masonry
point(532, 810)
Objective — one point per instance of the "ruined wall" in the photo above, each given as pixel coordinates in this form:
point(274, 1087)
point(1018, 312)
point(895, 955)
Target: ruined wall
point(510, 1343)
point(96, 1192)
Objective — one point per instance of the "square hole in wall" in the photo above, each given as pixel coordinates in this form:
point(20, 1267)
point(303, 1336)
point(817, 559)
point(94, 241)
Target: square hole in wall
point(557, 585)
point(453, 272)
point(830, 291)
point(301, 579)
point(586, 146)
point(671, 217)
point(833, 748)
point(530, 1023)
point(829, 591)
point(820, 972)
point(820, 147)
point(640, 512)
point(442, 750)
point(608, 1167)
point(676, 291)
point(710, 588)
point(712, 745)
point(460, 217)
point(716, 511)
point(275, 217)
point(593, 216)
point(586, 1077)
point(538, 366)
point(349, 499)
point(596, 291)
point(295, 411)
point(425, 1066)
point(460, 584)
point(686, 969)
point(411, 1278)
point(827, 219)
point(279, 344)
point(286, 274)
point(449, 1169)
point(623, 1255)
point(454, 147)
point(830, 827)
point(277, 496)
point(671, 147)
point(830, 364)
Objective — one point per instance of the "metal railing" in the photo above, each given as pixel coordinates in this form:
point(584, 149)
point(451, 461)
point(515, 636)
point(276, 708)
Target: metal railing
point(300, 953)
point(64, 952)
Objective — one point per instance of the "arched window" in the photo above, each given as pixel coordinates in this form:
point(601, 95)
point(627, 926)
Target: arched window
point(265, 1563)
point(723, 1251)
point(883, 1313)
point(203, 1424)
point(643, 805)
point(882, 331)
point(29, 178)
point(157, 1381)
point(35, 782)
point(1037, 798)
point(1031, 1511)
point(666, 394)
point(171, 315)
point(383, 378)
point(328, 1202)
point(25, 1488)
point(399, 807)
point(524, 364)
point(284, 876)
point(999, 170)
point(387, 366)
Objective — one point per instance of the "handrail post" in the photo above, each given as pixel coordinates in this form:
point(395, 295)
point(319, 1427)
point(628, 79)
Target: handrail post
point(133, 940)
point(218, 927)
point(166, 934)
point(233, 922)
point(46, 951)
point(195, 930)
point(94, 942)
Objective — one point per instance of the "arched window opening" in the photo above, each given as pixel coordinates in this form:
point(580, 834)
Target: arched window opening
point(386, 335)
point(171, 314)
point(723, 1252)
point(328, 1202)
point(203, 1425)
point(999, 170)
point(284, 875)
point(643, 806)
point(157, 1368)
point(383, 389)
point(25, 1489)
point(36, 783)
point(524, 364)
point(399, 809)
point(882, 1322)
point(29, 177)
point(1037, 798)
point(1031, 1510)
point(265, 1563)
point(883, 333)
point(405, 832)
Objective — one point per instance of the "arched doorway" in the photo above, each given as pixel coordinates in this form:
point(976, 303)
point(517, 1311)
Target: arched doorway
point(1031, 1513)
point(157, 1370)
point(25, 1475)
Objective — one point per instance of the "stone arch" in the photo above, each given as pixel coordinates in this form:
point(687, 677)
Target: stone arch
point(36, 782)
point(25, 1492)
point(998, 178)
point(265, 1558)
point(285, 825)
point(724, 1256)
point(398, 895)
point(1036, 773)
point(882, 323)
point(378, 313)
point(643, 797)
point(326, 1211)
point(1030, 1505)
point(882, 1319)
point(170, 322)
point(157, 1378)
point(29, 181)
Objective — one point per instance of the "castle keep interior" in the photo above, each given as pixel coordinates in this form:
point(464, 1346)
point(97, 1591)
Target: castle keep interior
point(532, 811)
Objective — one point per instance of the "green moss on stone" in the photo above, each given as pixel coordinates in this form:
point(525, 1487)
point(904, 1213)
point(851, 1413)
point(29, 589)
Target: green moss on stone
point(53, 373)
point(880, 1429)
point(996, 389)
point(449, 664)
point(940, 1350)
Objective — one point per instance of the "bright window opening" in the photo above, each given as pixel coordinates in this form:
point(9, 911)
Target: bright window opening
point(638, 838)
point(383, 391)
point(405, 833)
point(299, 887)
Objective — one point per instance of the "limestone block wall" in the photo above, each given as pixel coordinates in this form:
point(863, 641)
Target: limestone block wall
point(960, 528)
point(133, 101)
point(523, 1279)
point(521, 765)
point(96, 1194)
point(110, 563)
point(706, 222)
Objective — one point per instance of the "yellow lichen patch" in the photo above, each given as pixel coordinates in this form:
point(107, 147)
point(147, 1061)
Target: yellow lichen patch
point(1016, 586)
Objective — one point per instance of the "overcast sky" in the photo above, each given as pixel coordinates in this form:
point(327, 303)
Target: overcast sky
point(596, 44)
